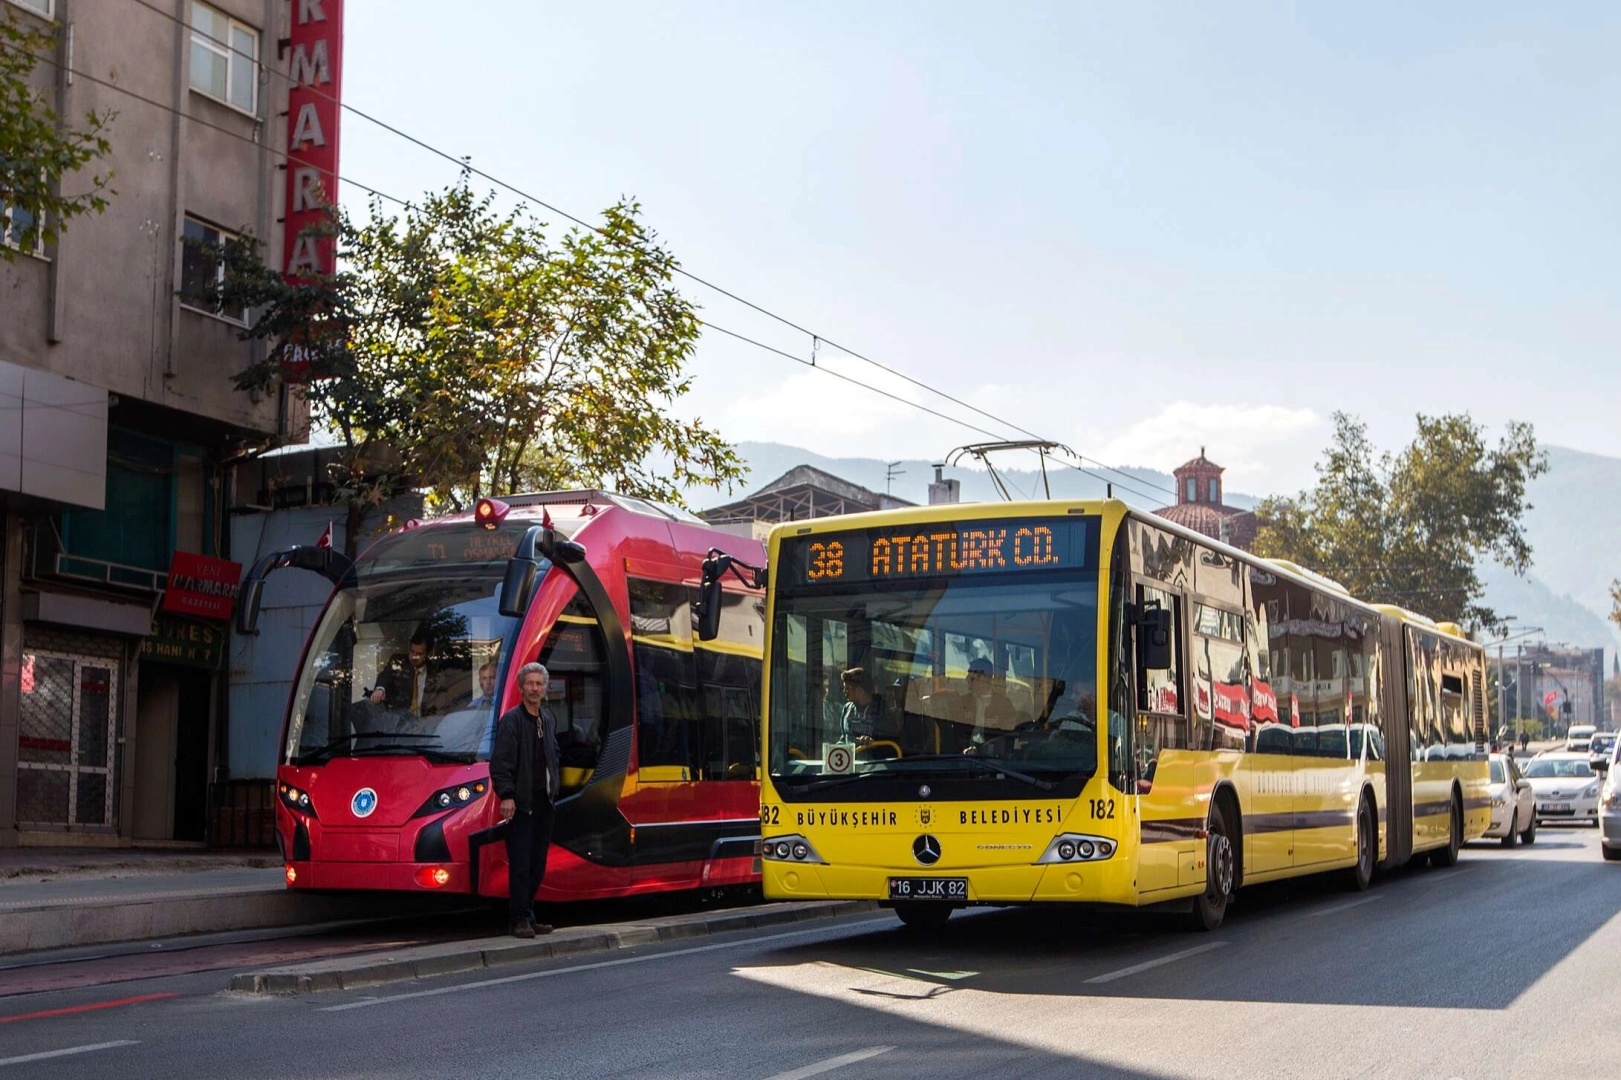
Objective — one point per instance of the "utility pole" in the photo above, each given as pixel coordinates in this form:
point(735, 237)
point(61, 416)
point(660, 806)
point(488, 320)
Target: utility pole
point(1502, 701)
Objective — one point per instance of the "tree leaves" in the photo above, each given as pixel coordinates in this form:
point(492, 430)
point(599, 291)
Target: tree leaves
point(487, 358)
point(38, 150)
point(1409, 529)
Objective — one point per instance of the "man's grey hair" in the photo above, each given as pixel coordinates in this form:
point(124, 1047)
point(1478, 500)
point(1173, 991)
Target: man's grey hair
point(533, 669)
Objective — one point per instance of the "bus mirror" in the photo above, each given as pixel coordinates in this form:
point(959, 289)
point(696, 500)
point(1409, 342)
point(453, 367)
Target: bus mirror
point(1154, 638)
point(706, 615)
point(247, 610)
point(518, 586)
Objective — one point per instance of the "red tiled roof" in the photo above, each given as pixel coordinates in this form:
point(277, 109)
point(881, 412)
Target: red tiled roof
point(1207, 519)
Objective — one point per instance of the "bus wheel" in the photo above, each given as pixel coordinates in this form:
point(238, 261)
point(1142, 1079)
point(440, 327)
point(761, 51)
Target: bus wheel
point(1448, 856)
point(1210, 906)
point(1360, 876)
point(921, 915)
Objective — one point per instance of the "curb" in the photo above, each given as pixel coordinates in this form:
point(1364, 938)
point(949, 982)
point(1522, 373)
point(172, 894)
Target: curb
point(456, 958)
point(104, 922)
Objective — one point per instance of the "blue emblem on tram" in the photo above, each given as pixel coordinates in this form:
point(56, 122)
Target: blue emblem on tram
point(364, 802)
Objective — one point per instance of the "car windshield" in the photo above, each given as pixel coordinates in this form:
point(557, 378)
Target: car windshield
point(1499, 773)
point(1572, 768)
point(403, 664)
point(936, 676)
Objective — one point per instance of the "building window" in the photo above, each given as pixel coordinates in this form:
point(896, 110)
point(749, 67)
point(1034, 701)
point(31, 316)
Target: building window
point(1215, 491)
point(224, 57)
point(202, 269)
point(16, 223)
point(44, 7)
point(1193, 490)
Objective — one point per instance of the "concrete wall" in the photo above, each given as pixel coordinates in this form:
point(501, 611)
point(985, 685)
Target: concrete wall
point(101, 307)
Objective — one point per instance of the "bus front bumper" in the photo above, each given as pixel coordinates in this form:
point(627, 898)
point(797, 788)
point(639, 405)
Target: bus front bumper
point(1104, 882)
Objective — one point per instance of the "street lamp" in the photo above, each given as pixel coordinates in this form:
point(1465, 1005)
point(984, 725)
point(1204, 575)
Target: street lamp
point(1502, 700)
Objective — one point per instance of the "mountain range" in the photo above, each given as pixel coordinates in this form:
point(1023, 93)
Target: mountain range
point(1573, 526)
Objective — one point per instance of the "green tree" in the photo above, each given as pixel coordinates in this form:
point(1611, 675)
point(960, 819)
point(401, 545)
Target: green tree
point(38, 151)
point(460, 351)
point(1411, 528)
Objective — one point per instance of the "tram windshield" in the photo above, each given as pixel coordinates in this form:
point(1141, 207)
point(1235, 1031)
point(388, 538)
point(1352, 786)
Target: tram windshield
point(964, 674)
point(410, 660)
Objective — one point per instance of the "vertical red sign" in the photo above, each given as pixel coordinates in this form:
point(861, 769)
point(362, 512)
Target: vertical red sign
point(316, 42)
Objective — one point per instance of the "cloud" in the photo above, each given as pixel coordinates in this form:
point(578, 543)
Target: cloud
point(1264, 448)
point(808, 407)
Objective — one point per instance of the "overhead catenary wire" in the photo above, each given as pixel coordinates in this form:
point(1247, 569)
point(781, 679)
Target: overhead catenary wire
point(816, 338)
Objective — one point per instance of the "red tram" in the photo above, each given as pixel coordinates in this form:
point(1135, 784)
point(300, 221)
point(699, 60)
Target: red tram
point(384, 774)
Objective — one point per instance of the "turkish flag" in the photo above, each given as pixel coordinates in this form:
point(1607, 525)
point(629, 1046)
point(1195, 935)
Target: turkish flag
point(326, 537)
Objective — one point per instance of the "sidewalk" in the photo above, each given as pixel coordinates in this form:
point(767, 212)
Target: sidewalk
point(52, 899)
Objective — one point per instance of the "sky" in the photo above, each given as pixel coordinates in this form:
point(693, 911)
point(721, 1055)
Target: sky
point(1135, 229)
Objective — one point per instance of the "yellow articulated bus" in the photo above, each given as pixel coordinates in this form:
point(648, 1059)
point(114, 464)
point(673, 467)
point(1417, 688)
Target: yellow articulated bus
point(1084, 703)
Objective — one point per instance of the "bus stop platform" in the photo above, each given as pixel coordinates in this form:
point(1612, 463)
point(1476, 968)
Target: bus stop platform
point(60, 898)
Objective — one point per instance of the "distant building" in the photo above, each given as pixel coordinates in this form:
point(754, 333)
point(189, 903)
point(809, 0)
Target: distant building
point(1553, 675)
point(801, 493)
point(1199, 506)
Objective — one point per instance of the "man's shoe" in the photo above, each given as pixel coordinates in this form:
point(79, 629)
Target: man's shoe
point(539, 928)
point(523, 930)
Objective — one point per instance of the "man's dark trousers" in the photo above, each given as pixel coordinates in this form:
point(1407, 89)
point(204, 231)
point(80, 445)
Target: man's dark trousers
point(529, 834)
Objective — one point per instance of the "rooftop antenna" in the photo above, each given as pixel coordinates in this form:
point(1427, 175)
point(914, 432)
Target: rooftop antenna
point(890, 473)
point(983, 451)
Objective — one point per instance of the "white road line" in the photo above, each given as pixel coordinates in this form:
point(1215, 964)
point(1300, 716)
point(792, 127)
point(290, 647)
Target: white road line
point(45, 1054)
point(438, 990)
point(1337, 908)
point(817, 1068)
point(1146, 964)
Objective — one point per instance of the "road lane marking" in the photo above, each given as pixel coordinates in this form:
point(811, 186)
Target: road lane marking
point(1337, 908)
point(817, 1068)
point(47, 1054)
point(1146, 964)
point(367, 1003)
point(85, 1008)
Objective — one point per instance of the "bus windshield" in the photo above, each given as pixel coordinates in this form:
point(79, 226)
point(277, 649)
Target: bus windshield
point(950, 677)
point(404, 663)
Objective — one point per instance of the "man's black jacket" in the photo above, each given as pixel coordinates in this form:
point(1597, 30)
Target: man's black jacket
point(512, 761)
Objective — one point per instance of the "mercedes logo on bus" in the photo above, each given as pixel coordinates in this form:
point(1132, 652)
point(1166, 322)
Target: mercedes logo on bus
point(926, 850)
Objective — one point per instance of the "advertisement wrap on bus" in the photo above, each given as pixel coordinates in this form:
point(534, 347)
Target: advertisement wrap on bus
point(1078, 702)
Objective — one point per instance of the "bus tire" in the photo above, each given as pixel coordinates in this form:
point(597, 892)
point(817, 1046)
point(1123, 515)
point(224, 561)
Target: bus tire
point(1360, 876)
point(1221, 875)
point(921, 915)
point(1443, 857)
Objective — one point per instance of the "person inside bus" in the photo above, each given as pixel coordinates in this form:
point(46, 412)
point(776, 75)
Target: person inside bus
point(525, 772)
point(863, 712)
point(414, 680)
point(486, 687)
point(987, 710)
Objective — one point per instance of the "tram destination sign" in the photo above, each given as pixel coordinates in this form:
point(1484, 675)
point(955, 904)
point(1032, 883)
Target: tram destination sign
point(915, 550)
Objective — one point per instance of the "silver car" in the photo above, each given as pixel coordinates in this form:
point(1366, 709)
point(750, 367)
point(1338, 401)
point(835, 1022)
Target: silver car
point(1514, 805)
point(1609, 806)
point(1565, 785)
point(1600, 747)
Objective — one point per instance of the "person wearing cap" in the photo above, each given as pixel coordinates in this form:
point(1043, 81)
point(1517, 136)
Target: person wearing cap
point(987, 710)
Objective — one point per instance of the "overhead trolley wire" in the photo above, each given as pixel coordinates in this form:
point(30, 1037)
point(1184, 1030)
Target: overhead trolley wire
point(466, 163)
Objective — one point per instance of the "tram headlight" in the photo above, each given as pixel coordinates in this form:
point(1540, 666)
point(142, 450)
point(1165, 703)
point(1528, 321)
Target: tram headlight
point(1076, 848)
point(789, 849)
point(451, 797)
point(296, 799)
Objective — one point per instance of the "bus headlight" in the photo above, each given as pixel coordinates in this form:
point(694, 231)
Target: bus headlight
point(1077, 847)
point(789, 849)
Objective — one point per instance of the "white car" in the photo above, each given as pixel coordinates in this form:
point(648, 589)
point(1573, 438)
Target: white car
point(1609, 810)
point(1514, 805)
point(1579, 736)
point(1565, 785)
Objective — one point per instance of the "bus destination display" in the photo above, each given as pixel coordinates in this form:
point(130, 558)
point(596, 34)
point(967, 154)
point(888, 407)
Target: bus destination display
point(934, 550)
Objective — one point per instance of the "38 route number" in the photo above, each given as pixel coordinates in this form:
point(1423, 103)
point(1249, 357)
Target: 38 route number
point(1102, 809)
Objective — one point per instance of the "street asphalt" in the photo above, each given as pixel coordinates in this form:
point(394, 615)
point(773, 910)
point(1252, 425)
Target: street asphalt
point(1508, 965)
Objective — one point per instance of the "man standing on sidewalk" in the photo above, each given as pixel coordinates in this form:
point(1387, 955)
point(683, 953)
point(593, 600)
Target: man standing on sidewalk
point(524, 773)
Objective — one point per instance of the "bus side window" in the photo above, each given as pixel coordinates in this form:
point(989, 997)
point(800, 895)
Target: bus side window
point(1162, 722)
point(731, 699)
point(669, 705)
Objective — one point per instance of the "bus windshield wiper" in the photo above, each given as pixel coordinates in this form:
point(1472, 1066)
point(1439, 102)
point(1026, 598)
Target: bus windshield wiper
point(983, 763)
point(838, 781)
point(322, 753)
